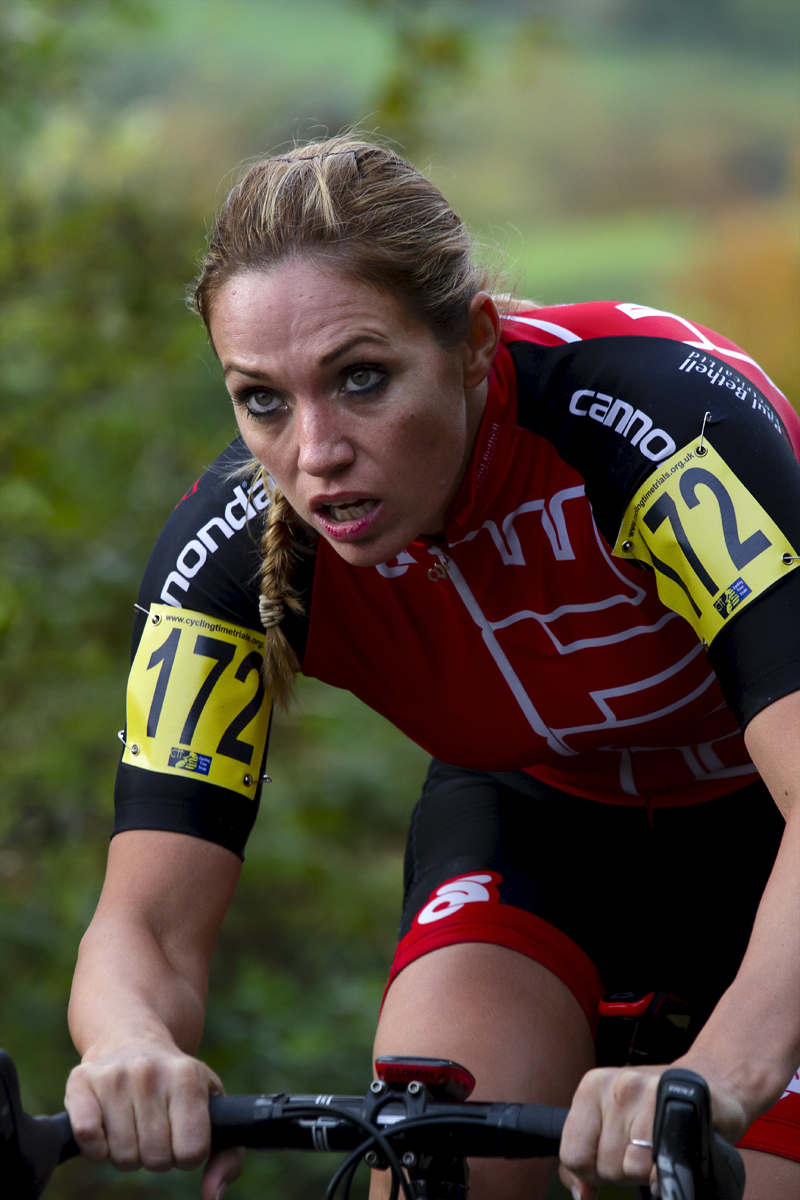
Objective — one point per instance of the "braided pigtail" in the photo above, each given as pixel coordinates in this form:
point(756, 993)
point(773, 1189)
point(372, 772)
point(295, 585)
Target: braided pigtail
point(280, 551)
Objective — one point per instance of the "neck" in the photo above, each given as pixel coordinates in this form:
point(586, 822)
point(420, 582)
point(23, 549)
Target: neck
point(475, 401)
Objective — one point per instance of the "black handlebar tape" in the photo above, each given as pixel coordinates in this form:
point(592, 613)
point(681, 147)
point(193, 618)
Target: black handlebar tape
point(69, 1147)
point(528, 1130)
point(30, 1147)
point(283, 1122)
point(693, 1162)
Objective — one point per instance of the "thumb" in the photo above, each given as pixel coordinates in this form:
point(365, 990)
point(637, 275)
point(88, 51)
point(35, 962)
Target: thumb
point(220, 1170)
point(579, 1189)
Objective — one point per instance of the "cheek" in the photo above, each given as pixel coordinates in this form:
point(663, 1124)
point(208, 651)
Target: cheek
point(245, 429)
point(431, 441)
point(256, 440)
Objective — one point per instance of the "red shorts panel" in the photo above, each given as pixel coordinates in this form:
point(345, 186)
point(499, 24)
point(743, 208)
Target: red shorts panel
point(777, 1131)
point(501, 925)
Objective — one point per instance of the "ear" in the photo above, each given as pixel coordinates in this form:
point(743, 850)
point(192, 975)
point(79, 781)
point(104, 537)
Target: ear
point(484, 335)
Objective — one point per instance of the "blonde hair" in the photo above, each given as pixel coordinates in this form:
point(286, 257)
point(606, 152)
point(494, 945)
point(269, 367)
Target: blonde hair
point(368, 213)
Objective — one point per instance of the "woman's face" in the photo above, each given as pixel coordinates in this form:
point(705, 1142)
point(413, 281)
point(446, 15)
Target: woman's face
point(364, 421)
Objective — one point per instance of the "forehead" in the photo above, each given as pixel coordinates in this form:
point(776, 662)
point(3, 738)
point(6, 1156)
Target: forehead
point(303, 304)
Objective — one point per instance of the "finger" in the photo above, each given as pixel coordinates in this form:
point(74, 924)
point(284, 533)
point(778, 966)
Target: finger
point(86, 1118)
point(222, 1168)
point(119, 1117)
point(627, 1113)
point(151, 1120)
point(190, 1125)
point(637, 1162)
point(122, 1135)
point(578, 1153)
point(111, 1114)
point(133, 1097)
point(215, 1087)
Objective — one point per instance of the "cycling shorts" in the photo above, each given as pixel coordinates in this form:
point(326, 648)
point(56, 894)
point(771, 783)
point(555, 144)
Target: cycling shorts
point(610, 898)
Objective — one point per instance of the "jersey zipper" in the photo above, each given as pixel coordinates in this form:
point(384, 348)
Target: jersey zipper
point(439, 570)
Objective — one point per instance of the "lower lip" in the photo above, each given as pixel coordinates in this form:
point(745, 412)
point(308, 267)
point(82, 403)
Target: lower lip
point(347, 531)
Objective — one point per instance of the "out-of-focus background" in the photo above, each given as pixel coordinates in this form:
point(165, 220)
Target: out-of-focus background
point(640, 150)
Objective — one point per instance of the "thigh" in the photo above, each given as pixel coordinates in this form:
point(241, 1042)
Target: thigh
point(488, 863)
point(770, 1176)
point(510, 1021)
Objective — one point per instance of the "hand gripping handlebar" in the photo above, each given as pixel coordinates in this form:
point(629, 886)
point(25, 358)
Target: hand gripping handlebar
point(693, 1162)
point(391, 1127)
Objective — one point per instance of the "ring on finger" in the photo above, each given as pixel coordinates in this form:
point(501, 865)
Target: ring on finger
point(640, 1142)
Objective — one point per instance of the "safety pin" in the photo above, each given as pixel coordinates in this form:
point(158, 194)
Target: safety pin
point(133, 747)
point(155, 618)
point(700, 449)
point(787, 559)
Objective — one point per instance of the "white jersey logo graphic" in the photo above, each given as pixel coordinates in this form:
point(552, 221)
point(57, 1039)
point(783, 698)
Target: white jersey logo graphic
point(792, 1086)
point(452, 896)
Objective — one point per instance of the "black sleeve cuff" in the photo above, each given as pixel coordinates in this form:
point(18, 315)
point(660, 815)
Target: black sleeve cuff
point(181, 806)
point(757, 658)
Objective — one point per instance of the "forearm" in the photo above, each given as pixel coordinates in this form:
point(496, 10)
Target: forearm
point(126, 988)
point(752, 1038)
point(139, 1097)
point(142, 970)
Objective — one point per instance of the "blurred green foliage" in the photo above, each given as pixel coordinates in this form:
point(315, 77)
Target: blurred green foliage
point(613, 149)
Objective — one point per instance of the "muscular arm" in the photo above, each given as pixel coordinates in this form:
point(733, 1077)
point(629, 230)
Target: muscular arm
point(752, 1039)
point(750, 1046)
point(138, 1004)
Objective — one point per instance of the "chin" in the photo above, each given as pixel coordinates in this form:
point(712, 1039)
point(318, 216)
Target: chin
point(363, 554)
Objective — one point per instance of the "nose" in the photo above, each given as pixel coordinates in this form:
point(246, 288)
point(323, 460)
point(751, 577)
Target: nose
point(323, 447)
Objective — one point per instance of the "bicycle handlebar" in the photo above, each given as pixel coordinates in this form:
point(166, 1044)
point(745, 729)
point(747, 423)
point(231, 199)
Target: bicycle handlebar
point(693, 1162)
point(329, 1123)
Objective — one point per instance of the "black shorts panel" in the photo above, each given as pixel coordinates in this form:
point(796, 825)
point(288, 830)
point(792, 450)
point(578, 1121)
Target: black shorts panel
point(664, 901)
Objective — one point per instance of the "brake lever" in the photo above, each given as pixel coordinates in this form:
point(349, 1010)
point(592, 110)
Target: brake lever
point(692, 1161)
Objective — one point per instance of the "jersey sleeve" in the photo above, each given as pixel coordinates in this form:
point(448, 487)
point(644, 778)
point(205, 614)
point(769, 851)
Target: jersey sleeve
point(691, 474)
point(197, 712)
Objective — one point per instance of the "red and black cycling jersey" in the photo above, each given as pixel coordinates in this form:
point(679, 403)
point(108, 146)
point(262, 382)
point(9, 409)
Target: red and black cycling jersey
point(615, 594)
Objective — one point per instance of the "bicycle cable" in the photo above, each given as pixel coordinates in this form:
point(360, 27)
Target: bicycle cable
point(374, 1136)
point(351, 1164)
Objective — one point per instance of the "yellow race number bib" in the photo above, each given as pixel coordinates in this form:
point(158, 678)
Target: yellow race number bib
point(196, 700)
point(713, 547)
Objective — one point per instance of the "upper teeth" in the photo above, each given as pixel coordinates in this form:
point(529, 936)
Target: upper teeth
point(350, 512)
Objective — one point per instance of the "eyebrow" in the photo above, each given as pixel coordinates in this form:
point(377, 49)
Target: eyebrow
point(326, 359)
point(241, 371)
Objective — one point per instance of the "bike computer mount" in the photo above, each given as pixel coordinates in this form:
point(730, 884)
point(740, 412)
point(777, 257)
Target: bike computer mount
point(417, 1079)
point(444, 1079)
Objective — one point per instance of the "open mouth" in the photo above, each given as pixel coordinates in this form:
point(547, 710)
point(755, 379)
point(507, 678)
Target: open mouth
point(347, 512)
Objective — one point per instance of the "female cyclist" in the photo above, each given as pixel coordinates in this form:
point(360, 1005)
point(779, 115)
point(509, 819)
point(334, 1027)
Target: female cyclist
point(559, 549)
